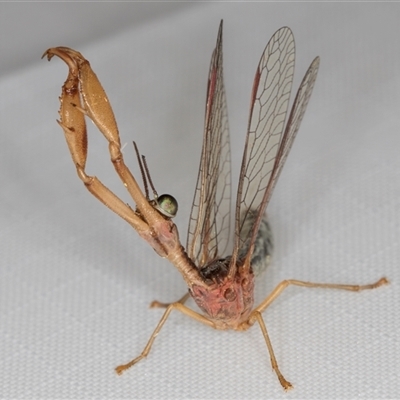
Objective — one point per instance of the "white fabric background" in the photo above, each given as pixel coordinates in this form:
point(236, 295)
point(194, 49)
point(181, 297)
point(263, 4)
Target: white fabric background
point(76, 281)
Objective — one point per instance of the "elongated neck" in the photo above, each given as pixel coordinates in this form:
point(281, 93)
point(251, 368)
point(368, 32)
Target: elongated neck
point(186, 267)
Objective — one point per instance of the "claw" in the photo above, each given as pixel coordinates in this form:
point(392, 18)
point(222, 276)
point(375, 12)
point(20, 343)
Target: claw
point(96, 103)
point(72, 121)
point(83, 95)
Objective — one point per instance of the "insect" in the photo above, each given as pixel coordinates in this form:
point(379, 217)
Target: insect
point(221, 285)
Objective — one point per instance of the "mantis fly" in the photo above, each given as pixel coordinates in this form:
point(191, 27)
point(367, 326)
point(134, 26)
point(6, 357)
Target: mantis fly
point(222, 285)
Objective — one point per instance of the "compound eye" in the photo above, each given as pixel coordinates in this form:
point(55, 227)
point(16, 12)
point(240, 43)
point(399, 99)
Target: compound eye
point(167, 205)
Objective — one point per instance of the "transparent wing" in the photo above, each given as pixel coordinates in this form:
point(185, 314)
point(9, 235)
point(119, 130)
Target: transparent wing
point(296, 115)
point(269, 103)
point(209, 224)
point(260, 176)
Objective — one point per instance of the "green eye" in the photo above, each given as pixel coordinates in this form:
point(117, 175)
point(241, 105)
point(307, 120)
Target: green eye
point(167, 205)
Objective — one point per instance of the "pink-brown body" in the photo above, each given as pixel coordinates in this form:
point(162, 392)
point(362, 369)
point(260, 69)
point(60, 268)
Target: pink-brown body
point(223, 288)
point(228, 303)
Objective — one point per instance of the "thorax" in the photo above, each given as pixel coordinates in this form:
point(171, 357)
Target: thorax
point(228, 302)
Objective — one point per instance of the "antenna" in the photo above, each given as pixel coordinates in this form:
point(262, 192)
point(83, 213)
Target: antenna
point(142, 171)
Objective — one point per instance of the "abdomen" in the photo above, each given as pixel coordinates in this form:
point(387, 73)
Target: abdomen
point(263, 247)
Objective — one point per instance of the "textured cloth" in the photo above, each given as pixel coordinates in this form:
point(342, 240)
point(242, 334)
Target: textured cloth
point(76, 281)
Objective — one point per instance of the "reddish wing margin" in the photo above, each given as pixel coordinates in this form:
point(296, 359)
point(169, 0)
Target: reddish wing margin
point(267, 143)
point(209, 224)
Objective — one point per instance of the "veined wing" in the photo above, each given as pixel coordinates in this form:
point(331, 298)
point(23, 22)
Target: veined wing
point(209, 224)
point(260, 176)
point(296, 115)
point(269, 104)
